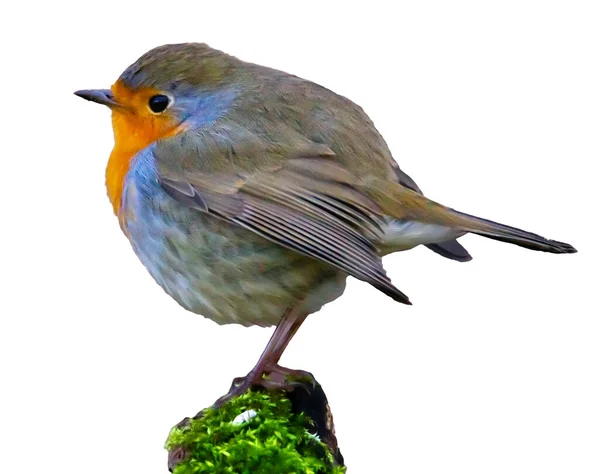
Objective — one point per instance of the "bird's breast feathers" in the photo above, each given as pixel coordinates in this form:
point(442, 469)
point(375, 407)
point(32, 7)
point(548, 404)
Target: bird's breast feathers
point(214, 268)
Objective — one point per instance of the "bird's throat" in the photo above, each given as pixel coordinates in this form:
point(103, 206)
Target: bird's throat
point(132, 134)
point(116, 170)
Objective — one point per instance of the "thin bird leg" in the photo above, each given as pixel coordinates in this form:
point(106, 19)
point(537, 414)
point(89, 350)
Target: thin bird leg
point(283, 334)
point(267, 373)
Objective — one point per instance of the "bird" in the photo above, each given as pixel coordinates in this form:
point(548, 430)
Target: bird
point(250, 194)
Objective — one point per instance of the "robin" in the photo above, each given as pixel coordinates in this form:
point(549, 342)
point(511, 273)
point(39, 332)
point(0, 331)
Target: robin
point(250, 194)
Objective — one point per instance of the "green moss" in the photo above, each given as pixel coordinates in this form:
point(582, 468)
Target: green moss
point(276, 440)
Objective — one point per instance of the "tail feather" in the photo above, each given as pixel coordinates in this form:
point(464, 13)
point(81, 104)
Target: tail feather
point(407, 206)
point(512, 235)
point(452, 250)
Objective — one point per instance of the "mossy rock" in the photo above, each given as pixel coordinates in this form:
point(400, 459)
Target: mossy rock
point(259, 432)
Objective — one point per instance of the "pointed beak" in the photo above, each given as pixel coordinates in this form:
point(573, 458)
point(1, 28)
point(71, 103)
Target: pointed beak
point(100, 96)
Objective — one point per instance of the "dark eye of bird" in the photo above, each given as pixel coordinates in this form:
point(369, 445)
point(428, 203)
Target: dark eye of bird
point(158, 103)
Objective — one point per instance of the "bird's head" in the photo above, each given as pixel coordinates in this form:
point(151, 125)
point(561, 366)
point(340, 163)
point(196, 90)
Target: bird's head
point(166, 90)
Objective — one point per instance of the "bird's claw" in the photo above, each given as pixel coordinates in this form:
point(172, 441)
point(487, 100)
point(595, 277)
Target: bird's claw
point(282, 378)
point(272, 377)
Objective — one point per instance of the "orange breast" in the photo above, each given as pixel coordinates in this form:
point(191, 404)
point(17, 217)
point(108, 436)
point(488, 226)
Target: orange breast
point(117, 168)
point(135, 128)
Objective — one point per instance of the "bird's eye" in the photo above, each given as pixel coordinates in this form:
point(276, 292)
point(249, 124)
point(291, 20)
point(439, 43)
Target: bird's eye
point(158, 103)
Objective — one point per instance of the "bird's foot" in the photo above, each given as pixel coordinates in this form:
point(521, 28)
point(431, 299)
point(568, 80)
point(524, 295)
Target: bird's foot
point(271, 377)
point(282, 378)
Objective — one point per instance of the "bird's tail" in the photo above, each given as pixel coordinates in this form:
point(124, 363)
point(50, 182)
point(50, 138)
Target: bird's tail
point(513, 235)
point(406, 205)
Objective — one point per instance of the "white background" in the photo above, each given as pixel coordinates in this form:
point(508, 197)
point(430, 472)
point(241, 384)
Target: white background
point(492, 109)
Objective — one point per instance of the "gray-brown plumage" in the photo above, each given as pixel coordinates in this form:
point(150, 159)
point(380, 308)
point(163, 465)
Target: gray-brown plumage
point(253, 193)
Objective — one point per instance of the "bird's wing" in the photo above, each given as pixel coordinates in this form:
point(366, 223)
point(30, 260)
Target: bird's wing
point(306, 201)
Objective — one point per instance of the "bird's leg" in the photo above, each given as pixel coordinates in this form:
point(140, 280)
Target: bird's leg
point(267, 373)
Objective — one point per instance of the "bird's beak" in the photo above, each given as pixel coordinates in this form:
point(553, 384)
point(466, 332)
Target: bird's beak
point(100, 96)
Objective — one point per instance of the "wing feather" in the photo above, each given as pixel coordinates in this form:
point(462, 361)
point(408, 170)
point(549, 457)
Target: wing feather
point(311, 208)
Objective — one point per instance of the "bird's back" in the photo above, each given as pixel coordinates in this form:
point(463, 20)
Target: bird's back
point(277, 104)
